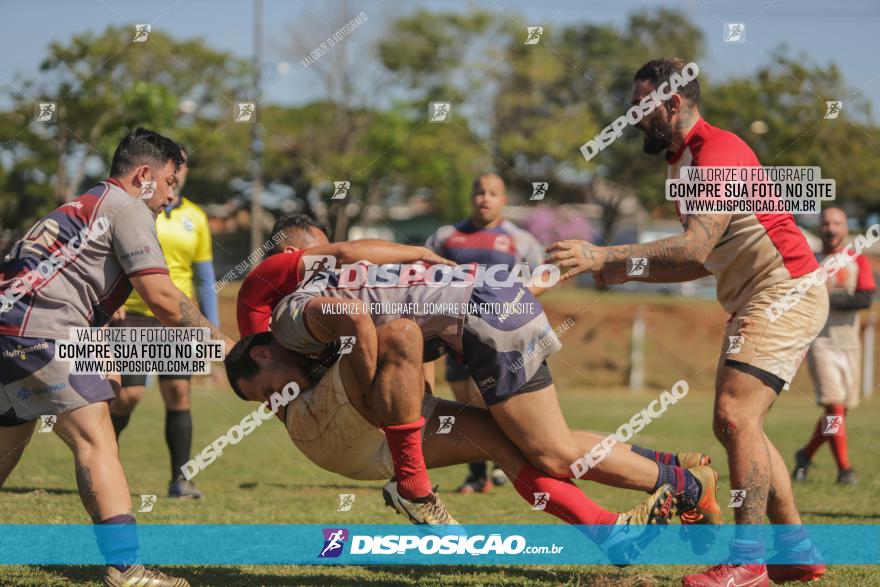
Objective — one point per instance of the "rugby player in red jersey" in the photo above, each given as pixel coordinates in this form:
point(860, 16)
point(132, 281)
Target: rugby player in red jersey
point(756, 259)
point(394, 407)
point(835, 356)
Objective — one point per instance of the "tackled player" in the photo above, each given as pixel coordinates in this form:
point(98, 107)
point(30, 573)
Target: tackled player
point(514, 396)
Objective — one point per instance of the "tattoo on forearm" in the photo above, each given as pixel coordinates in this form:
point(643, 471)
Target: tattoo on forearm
point(88, 496)
point(707, 231)
point(702, 233)
point(191, 317)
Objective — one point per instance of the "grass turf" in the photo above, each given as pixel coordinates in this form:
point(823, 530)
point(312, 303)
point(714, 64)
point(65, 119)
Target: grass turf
point(264, 479)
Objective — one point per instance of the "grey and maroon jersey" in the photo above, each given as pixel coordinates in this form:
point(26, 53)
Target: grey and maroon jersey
point(383, 301)
point(501, 334)
point(72, 268)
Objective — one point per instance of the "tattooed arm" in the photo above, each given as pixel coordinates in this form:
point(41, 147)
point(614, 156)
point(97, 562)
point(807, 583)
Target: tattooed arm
point(171, 306)
point(679, 256)
point(685, 272)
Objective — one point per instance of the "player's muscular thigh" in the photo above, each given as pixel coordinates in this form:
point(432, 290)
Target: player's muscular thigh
point(396, 395)
point(534, 423)
point(399, 355)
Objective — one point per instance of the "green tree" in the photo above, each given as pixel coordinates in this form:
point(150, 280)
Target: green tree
point(788, 96)
point(105, 85)
point(533, 106)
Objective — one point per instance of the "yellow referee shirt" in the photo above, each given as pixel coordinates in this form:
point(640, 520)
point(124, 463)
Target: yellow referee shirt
point(186, 239)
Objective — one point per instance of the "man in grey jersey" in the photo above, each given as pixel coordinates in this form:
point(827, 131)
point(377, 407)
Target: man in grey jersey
point(73, 269)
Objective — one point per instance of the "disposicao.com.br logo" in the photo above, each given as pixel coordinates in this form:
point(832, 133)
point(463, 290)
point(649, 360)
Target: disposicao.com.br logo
point(318, 268)
point(430, 544)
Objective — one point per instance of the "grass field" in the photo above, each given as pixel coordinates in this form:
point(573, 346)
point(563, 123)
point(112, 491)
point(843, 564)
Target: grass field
point(264, 479)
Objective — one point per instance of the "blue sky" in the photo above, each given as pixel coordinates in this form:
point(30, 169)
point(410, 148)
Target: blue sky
point(844, 32)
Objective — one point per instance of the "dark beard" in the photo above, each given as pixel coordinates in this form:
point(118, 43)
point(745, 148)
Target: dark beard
point(658, 138)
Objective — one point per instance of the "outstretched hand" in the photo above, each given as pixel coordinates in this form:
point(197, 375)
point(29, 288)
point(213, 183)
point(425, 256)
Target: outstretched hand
point(574, 257)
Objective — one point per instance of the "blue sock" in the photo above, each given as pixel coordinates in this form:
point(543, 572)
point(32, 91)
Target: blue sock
point(117, 540)
point(793, 538)
point(746, 552)
point(747, 546)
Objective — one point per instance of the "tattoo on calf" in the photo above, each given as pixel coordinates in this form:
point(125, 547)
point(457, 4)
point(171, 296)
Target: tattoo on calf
point(88, 496)
point(757, 486)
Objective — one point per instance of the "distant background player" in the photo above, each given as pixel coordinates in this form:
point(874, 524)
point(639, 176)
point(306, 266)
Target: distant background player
point(485, 238)
point(835, 356)
point(185, 237)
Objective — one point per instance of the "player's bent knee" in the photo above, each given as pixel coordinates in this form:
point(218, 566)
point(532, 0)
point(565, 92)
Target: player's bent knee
point(555, 465)
point(176, 395)
point(127, 400)
point(87, 428)
point(123, 406)
point(89, 448)
point(401, 338)
point(727, 424)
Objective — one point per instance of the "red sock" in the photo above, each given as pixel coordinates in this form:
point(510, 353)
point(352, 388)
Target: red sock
point(838, 440)
point(566, 501)
point(816, 440)
point(405, 444)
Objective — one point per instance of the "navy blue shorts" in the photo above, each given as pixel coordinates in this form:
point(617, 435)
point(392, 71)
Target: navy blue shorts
point(505, 351)
point(34, 384)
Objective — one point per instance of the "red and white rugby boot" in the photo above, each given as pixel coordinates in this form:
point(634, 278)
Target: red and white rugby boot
point(729, 576)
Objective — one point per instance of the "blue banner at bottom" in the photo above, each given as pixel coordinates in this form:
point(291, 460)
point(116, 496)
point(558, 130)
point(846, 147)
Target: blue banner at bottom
point(360, 544)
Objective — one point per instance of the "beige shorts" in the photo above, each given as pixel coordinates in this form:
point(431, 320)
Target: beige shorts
point(835, 372)
point(332, 434)
point(775, 347)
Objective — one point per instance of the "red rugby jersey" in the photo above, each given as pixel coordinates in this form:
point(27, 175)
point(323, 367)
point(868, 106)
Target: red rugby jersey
point(757, 250)
point(271, 280)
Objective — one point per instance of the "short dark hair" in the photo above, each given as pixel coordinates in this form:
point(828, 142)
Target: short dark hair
point(658, 71)
point(298, 222)
point(239, 363)
point(141, 147)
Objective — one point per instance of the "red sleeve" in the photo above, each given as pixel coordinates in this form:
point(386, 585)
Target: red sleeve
point(865, 280)
point(263, 288)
